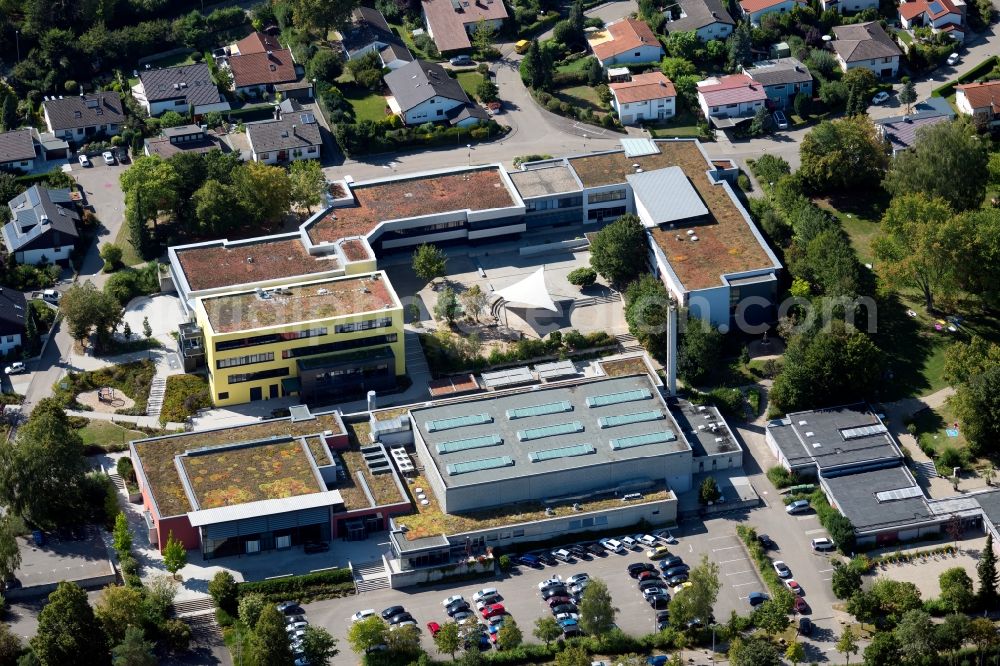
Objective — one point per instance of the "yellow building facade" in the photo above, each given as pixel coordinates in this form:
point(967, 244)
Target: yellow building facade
point(331, 339)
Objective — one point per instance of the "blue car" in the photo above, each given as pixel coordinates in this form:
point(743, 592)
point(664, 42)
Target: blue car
point(529, 561)
point(567, 622)
point(657, 660)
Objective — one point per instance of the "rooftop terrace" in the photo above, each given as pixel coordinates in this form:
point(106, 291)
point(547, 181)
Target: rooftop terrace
point(225, 264)
point(403, 198)
point(156, 456)
point(726, 242)
point(326, 299)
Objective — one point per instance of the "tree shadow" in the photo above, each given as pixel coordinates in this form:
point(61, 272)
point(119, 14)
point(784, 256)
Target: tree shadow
point(906, 347)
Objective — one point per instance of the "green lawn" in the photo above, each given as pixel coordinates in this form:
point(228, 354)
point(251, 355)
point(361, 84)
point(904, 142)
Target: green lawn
point(904, 36)
point(173, 60)
point(580, 97)
point(859, 214)
point(684, 124)
point(130, 257)
point(578, 65)
point(469, 80)
point(108, 436)
point(367, 105)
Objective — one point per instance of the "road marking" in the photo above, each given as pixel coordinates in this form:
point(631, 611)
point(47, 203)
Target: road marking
point(715, 550)
point(805, 517)
point(738, 559)
point(818, 530)
point(824, 570)
point(737, 573)
point(720, 538)
point(744, 584)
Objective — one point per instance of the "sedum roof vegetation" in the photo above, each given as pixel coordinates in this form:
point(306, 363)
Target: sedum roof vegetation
point(219, 265)
point(157, 455)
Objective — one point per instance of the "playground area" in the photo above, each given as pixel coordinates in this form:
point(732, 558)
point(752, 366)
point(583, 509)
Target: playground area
point(106, 400)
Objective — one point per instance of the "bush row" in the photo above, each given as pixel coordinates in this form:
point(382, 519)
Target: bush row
point(748, 536)
point(322, 584)
point(781, 477)
point(979, 70)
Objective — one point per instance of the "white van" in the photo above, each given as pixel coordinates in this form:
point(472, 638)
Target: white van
point(629, 543)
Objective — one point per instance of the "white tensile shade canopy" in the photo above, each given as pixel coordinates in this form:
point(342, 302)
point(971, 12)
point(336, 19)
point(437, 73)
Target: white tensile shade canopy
point(530, 292)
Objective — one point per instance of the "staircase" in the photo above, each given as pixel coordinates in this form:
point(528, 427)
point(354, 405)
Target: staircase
point(117, 480)
point(370, 576)
point(156, 391)
point(199, 614)
point(926, 469)
point(628, 342)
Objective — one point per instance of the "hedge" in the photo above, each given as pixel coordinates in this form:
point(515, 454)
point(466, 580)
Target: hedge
point(748, 536)
point(979, 70)
point(319, 585)
point(251, 113)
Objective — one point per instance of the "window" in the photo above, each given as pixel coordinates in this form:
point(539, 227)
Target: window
point(365, 325)
point(269, 339)
point(264, 156)
point(636, 54)
point(440, 112)
point(574, 524)
point(587, 522)
point(886, 59)
point(244, 360)
point(600, 520)
point(601, 197)
point(518, 533)
point(312, 149)
point(253, 547)
point(255, 376)
point(282, 542)
point(224, 395)
point(10, 338)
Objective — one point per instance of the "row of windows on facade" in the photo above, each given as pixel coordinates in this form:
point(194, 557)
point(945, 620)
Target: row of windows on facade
point(299, 352)
point(565, 202)
point(296, 152)
point(601, 197)
point(255, 340)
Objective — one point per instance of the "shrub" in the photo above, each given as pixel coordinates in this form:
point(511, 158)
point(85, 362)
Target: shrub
point(582, 277)
point(781, 477)
point(334, 582)
point(184, 396)
point(728, 400)
point(744, 182)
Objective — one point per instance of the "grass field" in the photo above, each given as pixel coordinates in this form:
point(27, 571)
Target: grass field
point(130, 256)
point(860, 216)
point(578, 65)
point(469, 81)
point(367, 105)
point(684, 124)
point(580, 97)
point(108, 436)
point(173, 60)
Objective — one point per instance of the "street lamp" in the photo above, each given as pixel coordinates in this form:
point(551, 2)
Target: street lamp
point(17, 42)
point(713, 627)
point(469, 146)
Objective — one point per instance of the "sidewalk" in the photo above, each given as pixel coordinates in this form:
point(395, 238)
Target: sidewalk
point(897, 413)
point(142, 421)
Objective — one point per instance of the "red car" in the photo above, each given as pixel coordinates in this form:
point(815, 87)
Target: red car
point(795, 588)
point(800, 605)
point(493, 611)
point(433, 627)
point(555, 601)
point(646, 575)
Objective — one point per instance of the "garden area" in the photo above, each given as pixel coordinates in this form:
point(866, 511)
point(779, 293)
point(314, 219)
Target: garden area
point(184, 397)
point(132, 380)
point(940, 436)
point(101, 436)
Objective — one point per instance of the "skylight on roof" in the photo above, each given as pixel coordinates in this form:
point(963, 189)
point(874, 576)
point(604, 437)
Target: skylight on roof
point(898, 494)
point(862, 431)
point(562, 452)
point(549, 431)
point(438, 425)
point(539, 410)
point(470, 443)
point(643, 440)
point(479, 465)
point(618, 398)
point(625, 419)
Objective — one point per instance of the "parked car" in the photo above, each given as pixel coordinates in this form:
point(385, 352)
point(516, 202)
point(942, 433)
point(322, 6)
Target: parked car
point(577, 579)
point(780, 120)
point(493, 611)
point(402, 617)
point(659, 601)
point(669, 561)
point(782, 569)
point(657, 553)
point(434, 628)
point(678, 580)
point(555, 601)
point(487, 601)
point(798, 506)
point(362, 614)
point(794, 587)
point(546, 559)
point(458, 607)
point(296, 626)
point(676, 571)
point(108, 157)
point(756, 598)
point(462, 616)
point(580, 552)
point(665, 536)
point(800, 605)
point(563, 608)
point(560, 591)
point(549, 582)
point(657, 660)
point(648, 541)
point(15, 368)
point(569, 622)
point(290, 608)
point(650, 583)
point(289, 621)
point(954, 59)
point(452, 599)
point(611, 545)
point(823, 545)
point(312, 547)
point(529, 560)
point(766, 542)
point(84, 160)
point(562, 555)
point(805, 626)
point(654, 591)
point(596, 549)
point(648, 575)
point(522, 46)
point(485, 592)
point(637, 568)
point(680, 586)
point(392, 611)
point(461, 61)
point(880, 98)
point(567, 616)
point(629, 543)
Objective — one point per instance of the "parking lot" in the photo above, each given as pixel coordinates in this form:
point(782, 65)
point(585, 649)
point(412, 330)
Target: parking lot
point(715, 538)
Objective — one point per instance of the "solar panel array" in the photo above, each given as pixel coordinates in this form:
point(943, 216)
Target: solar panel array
point(862, 431)
point(549, 431)
point(618, 398)
point(643, 440)
point(898, 494)
point(469, 443)
point(479, 465)
point(438, 425)
point(508, 377)
point(561, 452)
point(540, 410)
point(626, 419)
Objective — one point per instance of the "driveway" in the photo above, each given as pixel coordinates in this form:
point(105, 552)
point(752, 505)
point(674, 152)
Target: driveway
point(104, 193)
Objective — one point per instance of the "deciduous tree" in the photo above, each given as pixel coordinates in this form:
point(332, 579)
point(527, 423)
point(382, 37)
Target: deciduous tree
point(842, 155)
point(87, 308)
point(696, 602)
point(447, 639)
point(68, 632)
point(447, 306)
point(319, 646)
point(883, 650)
point(915, 633)
point(474, 301)
point(618, 251)
point(223, 589)
point(429, 262)
point(174, 554)
point(753, 651)
point(119, 608)
point(319, 15)
point(264, 192)
point(546, 629)
point(845, 581)
point(270, 640)
point(956, 589)
point(597, 612)
point(847, 644)
point(977, 405)
point(366, 634)
point(308, 184)
point(509, 636)
point(217, 208)
point(699, 351)
point(646, 310)
point(10, 553)
point(771, 616)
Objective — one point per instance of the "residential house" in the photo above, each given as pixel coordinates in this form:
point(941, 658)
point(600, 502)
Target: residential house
point(260, 65)
point(13, 310)
point(289, 138)
point(845, 6)
point(183, 139)
point(980, 101)
point(423, 92)
point(755, 10)
point(938, 15)
point(42, 227)
point(370, 33)
point(730, 100)
point(17, 150)
point(866, 45)
point(900, 132)
point(646, 97)
point(179, 89)
point(625, 41)
point(81, 118)
point(706, 18)
point(782, 79)
point(450, 23)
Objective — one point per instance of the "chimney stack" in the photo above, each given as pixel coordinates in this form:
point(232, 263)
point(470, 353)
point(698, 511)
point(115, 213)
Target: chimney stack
point(670, 369)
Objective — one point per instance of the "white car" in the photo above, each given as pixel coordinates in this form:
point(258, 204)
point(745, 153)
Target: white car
point(109, 157)
point(665, 536)
point(823, 544)
point(567, 616)
point(577, 579)
point(648, 541)
point(362, 614)
point(782, 569)
point(15, 368)
point(954, 59)
point(485, 592)
point(296, 626)
point(84, 160)
point(555, 580)
point(880, 98)
point(452, 599)
point(628, 542)
point(612, 545)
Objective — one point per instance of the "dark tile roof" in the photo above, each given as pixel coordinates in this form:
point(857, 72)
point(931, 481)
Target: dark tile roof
point(38, 217)
point(75, 111)
point(779, 72)
point(185, 143)
point(462, 113)
point(16, 146)
point(855, 495)
point(193, 83)
point(901, 131)
point(418, 81)
point(297, 130)
point(394, 52)
point(698, 14)
point(863, 41)
point(368, 27)
point(12, 311)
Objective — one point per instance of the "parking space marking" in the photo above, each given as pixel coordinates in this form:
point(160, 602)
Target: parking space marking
point(819, 530)
point(825, 570)
point(738, 559)
point(715, 550)
point(736, 573)
point(721, 538)
point(805, 517)
point(753, 582)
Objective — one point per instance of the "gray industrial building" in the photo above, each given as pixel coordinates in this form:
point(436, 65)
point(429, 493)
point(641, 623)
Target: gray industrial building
point(552, 443)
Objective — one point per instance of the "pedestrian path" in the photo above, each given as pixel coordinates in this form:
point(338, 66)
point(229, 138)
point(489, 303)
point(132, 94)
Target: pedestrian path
point(156, 392)
point(142, 421)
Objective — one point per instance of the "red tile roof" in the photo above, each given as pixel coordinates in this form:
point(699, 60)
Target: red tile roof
point(626, 35)
point(263, 68)
point(982, 95)
point(732, 89)
point(258, 42)
point(218, 265)
point(644, 87)
point(449, 25)
point(750, 6)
